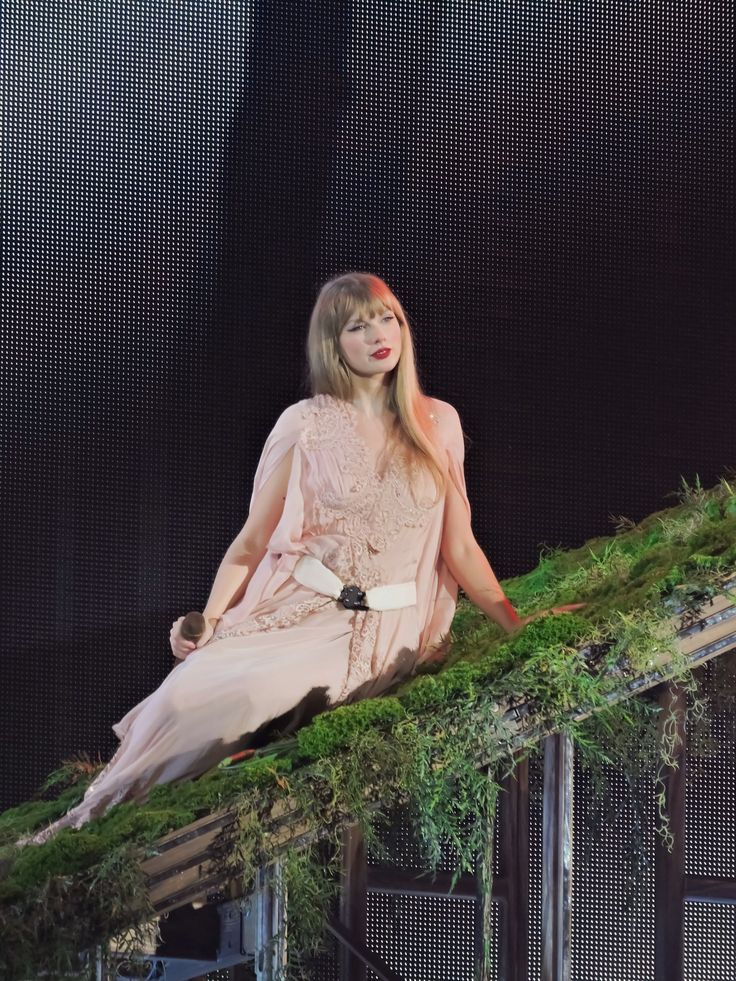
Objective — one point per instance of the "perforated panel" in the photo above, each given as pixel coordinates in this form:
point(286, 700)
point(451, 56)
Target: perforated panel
point(604, 930)
point(710, 826)
point(423, 937)
point(548, 188)
point(401, 842)
point(117, 118)
point(710, 787)
point(415, 918)
point(710, 942)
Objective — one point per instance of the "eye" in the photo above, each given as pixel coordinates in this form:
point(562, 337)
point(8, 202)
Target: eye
point(386, 316)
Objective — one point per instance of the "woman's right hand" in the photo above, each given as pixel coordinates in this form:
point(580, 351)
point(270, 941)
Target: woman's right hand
point(566, 608)
point(180, 648)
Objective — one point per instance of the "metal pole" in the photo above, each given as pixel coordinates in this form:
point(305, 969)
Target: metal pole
point(557, 857)
point(669, 867)
point(353, 900)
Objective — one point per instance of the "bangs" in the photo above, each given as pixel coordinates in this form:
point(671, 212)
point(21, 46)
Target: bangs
point(364, 309)
point(358, 304)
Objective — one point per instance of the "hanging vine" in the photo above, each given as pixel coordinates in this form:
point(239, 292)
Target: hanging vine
point(439, 745)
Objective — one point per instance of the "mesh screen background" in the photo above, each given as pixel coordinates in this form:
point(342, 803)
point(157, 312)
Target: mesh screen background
point(710, 828)
point(613, 921)
point(548, 189)
point(430, 937)
point(608, 937)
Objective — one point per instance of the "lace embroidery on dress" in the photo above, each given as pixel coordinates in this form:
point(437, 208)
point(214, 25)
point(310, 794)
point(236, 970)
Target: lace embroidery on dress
point(285, 616)
point(377, 506)
point(371, 515)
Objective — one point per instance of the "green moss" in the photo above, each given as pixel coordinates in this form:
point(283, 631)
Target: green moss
point(67, 853)
point(417, 746)
point(340, 727)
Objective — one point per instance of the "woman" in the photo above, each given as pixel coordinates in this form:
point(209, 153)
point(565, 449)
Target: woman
point(344, 577)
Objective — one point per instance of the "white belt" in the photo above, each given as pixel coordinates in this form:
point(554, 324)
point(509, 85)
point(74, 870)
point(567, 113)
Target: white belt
point(309, 571)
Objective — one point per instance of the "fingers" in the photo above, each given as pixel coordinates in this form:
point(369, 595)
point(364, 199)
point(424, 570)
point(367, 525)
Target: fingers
point(179, 647)
point(205, 638)
point(182, 649)
point(552, 612)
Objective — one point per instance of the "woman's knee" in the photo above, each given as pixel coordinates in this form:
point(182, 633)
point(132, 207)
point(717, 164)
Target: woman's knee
point(176, 700)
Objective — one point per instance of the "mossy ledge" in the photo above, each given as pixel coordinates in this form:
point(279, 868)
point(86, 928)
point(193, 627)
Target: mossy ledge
point(415, 746)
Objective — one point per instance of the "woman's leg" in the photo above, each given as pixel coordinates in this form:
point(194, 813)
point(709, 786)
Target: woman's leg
point(211, 705)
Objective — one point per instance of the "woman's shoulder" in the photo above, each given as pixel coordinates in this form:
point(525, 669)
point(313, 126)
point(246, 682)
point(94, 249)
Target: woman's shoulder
point(290, 421)
point(442, 409)
point(450, 428)
point(445, 415)
point(296, 412)
point(302, 417)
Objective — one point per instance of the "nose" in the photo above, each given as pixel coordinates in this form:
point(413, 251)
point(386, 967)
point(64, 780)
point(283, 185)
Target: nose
point(379, 334)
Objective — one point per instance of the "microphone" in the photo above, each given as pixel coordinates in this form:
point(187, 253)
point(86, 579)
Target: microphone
point(192, 626)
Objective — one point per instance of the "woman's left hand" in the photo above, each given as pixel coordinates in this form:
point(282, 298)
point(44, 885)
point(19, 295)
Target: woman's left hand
point(555, 609)
point(206, 636)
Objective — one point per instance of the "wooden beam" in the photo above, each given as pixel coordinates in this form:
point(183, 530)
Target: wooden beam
point(710, 890)
point(669, 867)
point(353, 900)
point(557, 857)
point(271, 954)
point(513, 865)
point(376, 963)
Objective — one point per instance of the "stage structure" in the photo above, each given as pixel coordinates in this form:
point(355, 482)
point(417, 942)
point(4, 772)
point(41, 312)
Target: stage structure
point(199, 901)
point(244, 869)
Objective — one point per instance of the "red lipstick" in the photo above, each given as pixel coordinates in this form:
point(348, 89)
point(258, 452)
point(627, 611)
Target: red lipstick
point(382, 352)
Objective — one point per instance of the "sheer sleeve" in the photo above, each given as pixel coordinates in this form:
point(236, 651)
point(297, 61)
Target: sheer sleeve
point(441, 586)
point(455, 449)
point(285, 544)
point(284, 435)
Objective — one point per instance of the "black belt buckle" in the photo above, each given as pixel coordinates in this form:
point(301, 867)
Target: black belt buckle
point(352, 598)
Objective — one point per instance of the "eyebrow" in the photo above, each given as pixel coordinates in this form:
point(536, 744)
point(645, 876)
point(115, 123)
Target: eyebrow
point(361, 320)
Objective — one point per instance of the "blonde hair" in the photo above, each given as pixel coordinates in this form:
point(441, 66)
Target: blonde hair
point(363, 295)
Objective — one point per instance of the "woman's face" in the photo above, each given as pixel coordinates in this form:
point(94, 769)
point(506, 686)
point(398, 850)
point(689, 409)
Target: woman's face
point(360, 340)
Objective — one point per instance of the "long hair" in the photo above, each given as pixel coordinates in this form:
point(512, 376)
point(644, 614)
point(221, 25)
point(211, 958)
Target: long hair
point(363, 295)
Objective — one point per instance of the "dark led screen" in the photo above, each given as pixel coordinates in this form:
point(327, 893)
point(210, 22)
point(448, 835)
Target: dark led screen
point(548, 188)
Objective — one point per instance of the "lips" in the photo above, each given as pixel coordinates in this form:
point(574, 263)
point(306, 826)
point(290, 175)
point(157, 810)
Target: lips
point(382, 353)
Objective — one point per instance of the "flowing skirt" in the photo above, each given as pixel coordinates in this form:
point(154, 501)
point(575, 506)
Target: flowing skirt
point(212, 703)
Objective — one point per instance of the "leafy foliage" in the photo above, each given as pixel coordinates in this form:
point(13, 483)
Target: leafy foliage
point(439, 743)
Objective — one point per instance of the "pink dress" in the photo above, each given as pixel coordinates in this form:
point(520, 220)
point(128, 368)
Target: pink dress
point(283, 642)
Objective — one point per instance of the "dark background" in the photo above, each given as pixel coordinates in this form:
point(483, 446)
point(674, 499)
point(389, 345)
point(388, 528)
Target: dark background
point(548, 188)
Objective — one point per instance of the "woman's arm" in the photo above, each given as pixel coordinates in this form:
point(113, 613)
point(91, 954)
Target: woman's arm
point(249, 546)
point(474, 574)
point(462, 554)
point(469, 566)
point(472, 571)
point(231, 580)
